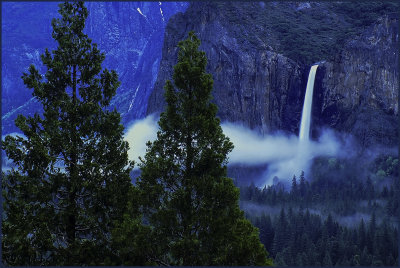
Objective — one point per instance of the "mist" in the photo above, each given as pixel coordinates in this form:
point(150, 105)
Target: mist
point(138, 134)
point(284, 154)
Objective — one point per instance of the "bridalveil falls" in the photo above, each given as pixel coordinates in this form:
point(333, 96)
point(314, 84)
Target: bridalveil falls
point(306, 114)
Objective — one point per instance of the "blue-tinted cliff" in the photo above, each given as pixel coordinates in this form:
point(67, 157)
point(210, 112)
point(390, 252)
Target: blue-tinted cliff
point(130, 33)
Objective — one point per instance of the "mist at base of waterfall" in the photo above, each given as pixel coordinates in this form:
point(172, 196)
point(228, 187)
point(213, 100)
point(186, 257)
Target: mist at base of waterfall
point(284, 155)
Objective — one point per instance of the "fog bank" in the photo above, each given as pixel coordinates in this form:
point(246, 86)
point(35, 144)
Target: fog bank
point(138, 134)
point(284, 154)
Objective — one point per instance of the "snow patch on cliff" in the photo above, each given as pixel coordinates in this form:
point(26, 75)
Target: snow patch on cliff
point(138, 9)
point(134, 97)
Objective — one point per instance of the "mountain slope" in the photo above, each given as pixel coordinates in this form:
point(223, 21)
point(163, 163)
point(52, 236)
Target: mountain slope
point(260, 61)
point(130, 33)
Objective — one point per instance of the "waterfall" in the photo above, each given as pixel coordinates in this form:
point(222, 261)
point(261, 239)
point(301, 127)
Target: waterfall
point(306, 115)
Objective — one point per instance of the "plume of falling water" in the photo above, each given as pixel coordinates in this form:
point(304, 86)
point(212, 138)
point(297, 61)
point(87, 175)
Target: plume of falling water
point(304, 134)
point(303, 156)
point(300, 160)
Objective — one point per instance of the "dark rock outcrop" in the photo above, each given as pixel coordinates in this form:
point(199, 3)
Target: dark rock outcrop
point(360, 88)
point(252, 84)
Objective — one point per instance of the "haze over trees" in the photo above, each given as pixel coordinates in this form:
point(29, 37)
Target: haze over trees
point(344, 215)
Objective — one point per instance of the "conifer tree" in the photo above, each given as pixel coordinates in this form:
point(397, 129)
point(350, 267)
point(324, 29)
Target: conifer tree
point(327, 259)
point(70, 177)
point(302, 185)
point(281, 232)
point(190, 204)
point(294, 190)
point(361, 234)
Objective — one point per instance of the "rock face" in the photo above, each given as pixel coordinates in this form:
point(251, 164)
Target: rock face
point(360, 88)
point(355, 89)
point(23, 42)
point(129, 33)
point(252, 50)
point(252, 84)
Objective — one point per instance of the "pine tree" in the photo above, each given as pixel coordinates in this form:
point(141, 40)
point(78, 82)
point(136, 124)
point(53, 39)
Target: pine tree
point(371, 233)
point(302, 185)
point(361, 234)
point(266, 231)
point(369, 189)
point(294, 190)
point(327, 259)
point(281, 232)
point(365, 258)
point(71, 173)
point(190, 204)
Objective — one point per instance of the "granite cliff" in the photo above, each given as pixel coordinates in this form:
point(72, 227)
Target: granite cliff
point(259, 54)
point(360, 87)
point(129, 33)
point(261, 85)
point(253, 84)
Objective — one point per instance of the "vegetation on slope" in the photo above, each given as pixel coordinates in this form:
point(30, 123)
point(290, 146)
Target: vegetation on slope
point(305, 35)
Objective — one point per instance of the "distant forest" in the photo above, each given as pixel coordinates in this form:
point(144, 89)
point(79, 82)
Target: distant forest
point(307, 230)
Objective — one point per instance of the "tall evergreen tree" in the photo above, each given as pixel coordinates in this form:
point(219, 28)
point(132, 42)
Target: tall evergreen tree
point(372, 225)
point(70, 177)
point(294, 190)
point(361, 234)
point(369, 189)
point(327, 259)
point(302, 185)
point(190, 204)
point(266, 231)
point(281, 233)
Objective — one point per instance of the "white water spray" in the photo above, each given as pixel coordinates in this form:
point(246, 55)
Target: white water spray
point(285, 155)
point(303, 153)
point(304, 134)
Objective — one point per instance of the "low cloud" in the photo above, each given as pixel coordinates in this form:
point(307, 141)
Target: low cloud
point(285, 155)
point(253, 149)
point(138, 134)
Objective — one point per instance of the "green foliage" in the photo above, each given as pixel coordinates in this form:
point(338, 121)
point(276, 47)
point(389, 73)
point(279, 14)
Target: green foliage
point(332, 163)
point(191, 207)
point(69, 184)
point(385, 166)
point(380, 173)
point(129, 237)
